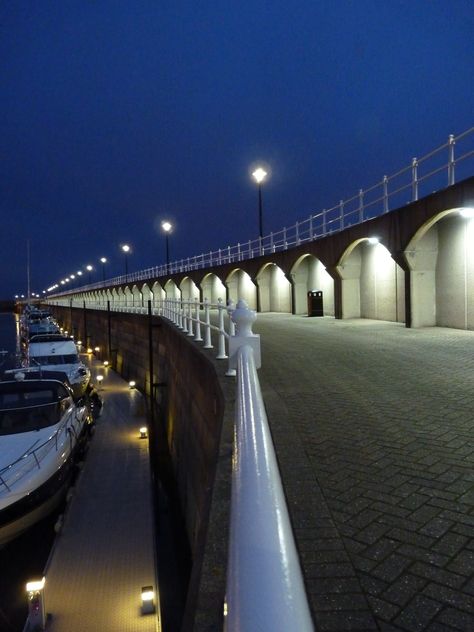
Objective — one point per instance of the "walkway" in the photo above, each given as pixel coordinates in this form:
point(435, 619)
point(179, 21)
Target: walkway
point(105, 553)
point(373, 425)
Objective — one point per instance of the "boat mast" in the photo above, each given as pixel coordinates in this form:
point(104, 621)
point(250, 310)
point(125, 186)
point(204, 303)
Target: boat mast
point(28, 268)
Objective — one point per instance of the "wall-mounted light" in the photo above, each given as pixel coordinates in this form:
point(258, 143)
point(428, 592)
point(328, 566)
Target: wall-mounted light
point(97, 349)
point(148, 600)
point(36, 608)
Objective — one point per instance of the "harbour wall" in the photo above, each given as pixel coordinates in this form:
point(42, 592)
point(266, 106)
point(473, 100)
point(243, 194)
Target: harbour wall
point(191, 410)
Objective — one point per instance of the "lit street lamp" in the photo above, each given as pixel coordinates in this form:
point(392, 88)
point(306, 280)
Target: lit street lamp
point(259, 175)
point(103, 261)
point(89, 269)
point(126, 250)
point(167, 227)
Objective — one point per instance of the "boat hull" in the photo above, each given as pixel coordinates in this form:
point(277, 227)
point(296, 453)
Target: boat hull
point(21, 515)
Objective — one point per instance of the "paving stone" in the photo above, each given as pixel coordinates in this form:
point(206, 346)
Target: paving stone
point(404, 589)
point(392, 567)
point(383, 609)
point(458, 620)
point(463, 563)
point(418, 614)
point(351, 621)
point(440, 575)
point(449, 596)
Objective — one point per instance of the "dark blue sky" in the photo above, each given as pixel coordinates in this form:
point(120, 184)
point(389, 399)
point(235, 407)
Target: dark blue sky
point(116, 114)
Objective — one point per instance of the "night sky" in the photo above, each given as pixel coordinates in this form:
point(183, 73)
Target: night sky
point(117, 114)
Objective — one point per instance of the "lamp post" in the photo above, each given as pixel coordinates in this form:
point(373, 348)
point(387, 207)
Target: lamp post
point(126, 250)
point(89, 269)
point(103, 261)
point(259, 175)
point(167, 227)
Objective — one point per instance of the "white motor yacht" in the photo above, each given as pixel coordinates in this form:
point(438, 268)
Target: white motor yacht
point(56, 352)
point(42, 430)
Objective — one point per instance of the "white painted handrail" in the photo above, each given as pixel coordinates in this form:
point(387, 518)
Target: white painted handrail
point(265, 588)
point(433, 171)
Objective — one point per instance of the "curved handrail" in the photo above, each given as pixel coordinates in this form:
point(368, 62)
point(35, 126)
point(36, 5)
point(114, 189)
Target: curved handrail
point(354, 210)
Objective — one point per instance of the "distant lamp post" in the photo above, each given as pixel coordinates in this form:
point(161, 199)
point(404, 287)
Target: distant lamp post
point(89, 269)
point(259, 176)
point(126, 250)
point(167, 227)
point(103, 261)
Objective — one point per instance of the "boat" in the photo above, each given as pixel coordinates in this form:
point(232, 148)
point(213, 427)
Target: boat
point(36, 321)
point(42, 432)
point(57, 352)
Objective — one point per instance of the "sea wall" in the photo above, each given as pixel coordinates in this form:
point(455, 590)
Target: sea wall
point(193, 404)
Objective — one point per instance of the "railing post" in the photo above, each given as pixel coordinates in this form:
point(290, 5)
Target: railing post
point(297, 233)
point(324, 221)
point(311, 227)
point(272, 244)
point(221, 354)
point(184, 315)
point(207, 326)
point(219, 260)
point(341, 214)
point(228, 254)
point(385, 194)
point(197, 337)
point(414, 180)
point(231, 372)
point(238, 252)
point(285, 244)
point(250, 249)
point(361, 205)
point(451, 163)
point(190, 319)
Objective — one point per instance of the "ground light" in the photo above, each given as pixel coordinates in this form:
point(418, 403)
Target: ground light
point(106, 363)
point(148, 600)
point(97, 349)
point(143, 432)
point(132, 383)
point(36, 608)
point(89, 350)
point(99, 378)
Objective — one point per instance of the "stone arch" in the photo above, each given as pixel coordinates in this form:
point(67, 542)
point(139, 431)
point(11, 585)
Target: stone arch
point(212, 288)
point(309, 273)
point(147, 294)
point(240, 285)
point(372, 283)
point(440, 260)
point(274, 289)
point(189, 290)
point(137, 296)
point(159, 293)
point(172, 290)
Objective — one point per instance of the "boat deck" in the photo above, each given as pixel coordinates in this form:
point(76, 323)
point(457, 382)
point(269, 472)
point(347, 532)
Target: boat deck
point(105, 552)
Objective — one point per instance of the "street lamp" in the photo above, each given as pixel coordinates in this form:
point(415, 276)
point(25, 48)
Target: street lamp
point(126, 250)
point(259, 175)
point(167, 227)
point(89, 269)
point(103, 261)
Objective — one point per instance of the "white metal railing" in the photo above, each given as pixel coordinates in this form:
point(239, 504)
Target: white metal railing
point(436, 169)
point(264, 588)
point(192, 316)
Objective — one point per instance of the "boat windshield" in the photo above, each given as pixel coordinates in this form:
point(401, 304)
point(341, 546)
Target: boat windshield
point(28, 410)
point(48, 360)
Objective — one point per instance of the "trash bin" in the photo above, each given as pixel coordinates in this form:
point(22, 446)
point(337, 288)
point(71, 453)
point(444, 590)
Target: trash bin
point(315, 303)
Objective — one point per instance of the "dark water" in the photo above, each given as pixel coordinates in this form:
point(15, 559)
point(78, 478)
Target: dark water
point(24, 558)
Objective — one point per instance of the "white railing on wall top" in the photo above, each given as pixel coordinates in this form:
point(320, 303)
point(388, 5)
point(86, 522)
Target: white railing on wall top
point(438, 169)
point(264, 588)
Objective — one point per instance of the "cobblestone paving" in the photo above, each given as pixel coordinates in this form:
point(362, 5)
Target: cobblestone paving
point(373, 430)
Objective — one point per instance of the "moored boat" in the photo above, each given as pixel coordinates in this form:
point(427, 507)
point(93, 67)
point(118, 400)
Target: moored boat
point(42, 430)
